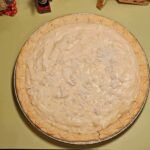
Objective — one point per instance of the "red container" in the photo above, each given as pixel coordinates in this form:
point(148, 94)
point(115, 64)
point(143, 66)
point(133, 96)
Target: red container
point(43, 6)
point(8, 7)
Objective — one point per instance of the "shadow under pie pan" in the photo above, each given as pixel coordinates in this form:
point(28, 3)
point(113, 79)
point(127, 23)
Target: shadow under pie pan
point(55, 45)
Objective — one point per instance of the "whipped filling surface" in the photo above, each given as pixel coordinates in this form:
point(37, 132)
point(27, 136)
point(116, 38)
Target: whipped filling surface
point(82, 77)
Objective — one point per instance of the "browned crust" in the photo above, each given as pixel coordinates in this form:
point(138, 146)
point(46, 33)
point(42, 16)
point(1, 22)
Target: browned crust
point(112, 129)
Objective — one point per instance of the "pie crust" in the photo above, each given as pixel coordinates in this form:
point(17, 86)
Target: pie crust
point(59, 126)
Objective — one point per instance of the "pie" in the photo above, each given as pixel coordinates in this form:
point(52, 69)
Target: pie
point(81, 78)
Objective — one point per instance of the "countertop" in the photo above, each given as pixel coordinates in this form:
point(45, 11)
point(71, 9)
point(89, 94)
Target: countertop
point(15, 131)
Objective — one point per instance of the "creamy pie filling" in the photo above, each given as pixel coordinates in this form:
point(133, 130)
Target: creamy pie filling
point(82, 77)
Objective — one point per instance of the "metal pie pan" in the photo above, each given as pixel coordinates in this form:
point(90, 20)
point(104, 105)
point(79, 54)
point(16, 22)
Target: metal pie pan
point(79, 143)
